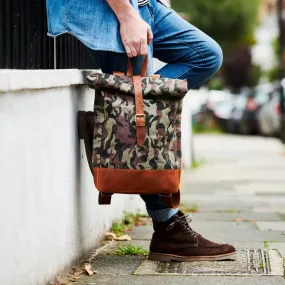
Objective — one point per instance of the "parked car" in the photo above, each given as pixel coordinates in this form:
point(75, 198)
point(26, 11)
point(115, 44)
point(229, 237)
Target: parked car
point(223, 112)
point(238, 107)
point(197, 99)
point(257, 97)
point(269, 115)
point(214, 106)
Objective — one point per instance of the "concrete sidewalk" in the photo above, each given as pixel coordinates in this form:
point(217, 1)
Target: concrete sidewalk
point(238, 196)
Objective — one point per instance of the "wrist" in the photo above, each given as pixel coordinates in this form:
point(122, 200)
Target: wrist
point(126, 14)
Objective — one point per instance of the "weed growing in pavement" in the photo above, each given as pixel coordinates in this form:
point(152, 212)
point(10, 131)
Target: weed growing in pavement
point(268, 242)
point(118, 228)
point(202, 129)
point(229, 211)
point(130, 249)
point(189, 209)
point(196, 163)
point(129, 220)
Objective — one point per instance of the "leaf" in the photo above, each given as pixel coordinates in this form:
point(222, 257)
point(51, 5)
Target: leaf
point(124, 238)
point(73, 279)
point(238, 220)
point(110, 236)
point(142, 221)
point(88, 269)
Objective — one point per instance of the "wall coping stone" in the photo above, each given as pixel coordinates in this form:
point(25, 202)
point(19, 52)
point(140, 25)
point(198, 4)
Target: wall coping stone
point(15, 79)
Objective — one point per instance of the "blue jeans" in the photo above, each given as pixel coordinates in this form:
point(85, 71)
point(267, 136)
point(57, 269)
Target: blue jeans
point(189, 53)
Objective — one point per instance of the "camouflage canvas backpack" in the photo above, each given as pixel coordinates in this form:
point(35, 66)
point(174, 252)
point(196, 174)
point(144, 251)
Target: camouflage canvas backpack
point(133, 137)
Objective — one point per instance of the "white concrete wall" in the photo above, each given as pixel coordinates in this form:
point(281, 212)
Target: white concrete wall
point(48, 204)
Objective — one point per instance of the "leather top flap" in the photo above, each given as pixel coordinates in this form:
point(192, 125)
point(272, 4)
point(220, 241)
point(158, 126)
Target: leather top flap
point(150, 86)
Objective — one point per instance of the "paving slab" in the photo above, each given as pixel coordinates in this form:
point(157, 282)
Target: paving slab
point(246, 262)
point(247, 245)
point(242, 236)
point(257, 187)
point(181, 280)
point(282, 215)
point(226, 216)
point(206, 187)
point(280, 209)
point(202, 227)
point(214, 204)
point(279, 246)
point(271, 226)
point(116, 265)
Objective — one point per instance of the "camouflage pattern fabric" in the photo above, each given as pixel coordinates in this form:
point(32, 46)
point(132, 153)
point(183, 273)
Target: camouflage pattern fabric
point(151, 86)
point(114, 144)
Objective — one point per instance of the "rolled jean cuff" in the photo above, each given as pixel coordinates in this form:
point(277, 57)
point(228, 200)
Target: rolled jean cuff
point(162, 215)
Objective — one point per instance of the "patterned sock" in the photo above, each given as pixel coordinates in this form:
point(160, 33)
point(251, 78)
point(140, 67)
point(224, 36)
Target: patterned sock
point(162, 215)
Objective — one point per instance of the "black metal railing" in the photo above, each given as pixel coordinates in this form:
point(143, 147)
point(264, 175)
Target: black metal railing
point(24, 43)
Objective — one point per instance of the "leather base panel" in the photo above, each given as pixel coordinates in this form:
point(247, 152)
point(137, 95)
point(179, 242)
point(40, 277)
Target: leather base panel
point(129, 181)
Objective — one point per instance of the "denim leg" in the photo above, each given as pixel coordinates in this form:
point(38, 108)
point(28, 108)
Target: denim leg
point(190, 53)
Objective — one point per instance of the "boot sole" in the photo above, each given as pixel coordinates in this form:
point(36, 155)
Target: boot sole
point(170, 257)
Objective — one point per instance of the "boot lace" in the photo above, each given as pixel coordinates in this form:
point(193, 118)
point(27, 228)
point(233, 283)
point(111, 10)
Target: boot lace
point(184, 221)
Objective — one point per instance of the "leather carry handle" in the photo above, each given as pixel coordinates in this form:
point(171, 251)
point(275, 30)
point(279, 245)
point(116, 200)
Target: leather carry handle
point(143, 70)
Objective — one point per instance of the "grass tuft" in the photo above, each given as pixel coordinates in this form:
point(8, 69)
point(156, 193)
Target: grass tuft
point(130, 249)
point(196, 163)
point(229, 211)
point(190, 209)
point(268, 242)
point(202, 129)
point(129, 220)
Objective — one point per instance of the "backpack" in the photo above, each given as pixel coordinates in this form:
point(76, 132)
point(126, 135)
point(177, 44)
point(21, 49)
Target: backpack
point(133, 137)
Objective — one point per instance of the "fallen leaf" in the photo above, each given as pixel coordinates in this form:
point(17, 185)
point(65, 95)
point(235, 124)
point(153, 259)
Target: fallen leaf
point(238, 220)
point(124, 238)
point(88, 269)
point(142, 221)
point(110, 236)
point(57, 281)
point(76, 271)
point(73, 278)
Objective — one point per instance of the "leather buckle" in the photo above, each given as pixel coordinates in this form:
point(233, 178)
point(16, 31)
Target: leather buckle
point(140, 116)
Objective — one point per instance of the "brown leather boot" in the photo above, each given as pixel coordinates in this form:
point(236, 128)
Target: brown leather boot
point(174, 240)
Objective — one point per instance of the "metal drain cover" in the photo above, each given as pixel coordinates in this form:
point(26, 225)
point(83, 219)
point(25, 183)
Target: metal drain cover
point(247, 262)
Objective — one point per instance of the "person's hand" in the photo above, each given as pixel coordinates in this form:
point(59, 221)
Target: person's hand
point(136, 34)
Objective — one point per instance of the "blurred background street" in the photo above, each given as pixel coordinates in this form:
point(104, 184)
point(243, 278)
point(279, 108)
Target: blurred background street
point(247, 95)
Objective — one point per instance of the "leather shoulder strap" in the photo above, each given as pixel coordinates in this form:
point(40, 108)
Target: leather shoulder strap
point(140, 115)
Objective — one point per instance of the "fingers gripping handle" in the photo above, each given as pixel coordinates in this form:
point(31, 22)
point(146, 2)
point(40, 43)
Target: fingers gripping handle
point(143, 70)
